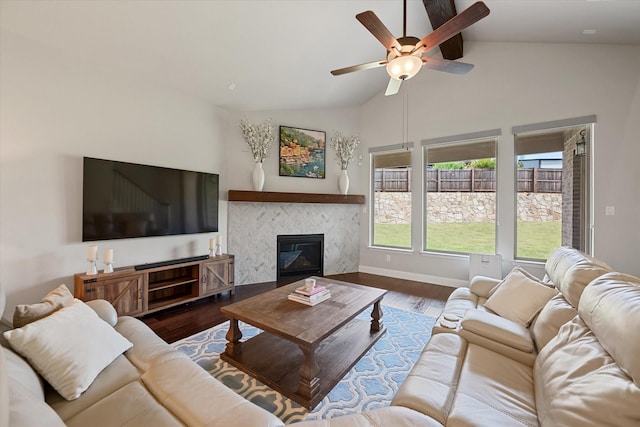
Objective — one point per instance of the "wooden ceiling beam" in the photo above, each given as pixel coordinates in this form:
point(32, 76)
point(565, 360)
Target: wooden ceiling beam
point(440, 11)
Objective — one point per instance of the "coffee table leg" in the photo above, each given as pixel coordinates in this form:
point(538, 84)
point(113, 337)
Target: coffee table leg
point(376, 317)
point(309, 382)
point(233, 338)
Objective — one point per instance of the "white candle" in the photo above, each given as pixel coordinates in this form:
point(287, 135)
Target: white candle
point(108, 256)
point(212, 244)
point(93, 252)
point(219, 239)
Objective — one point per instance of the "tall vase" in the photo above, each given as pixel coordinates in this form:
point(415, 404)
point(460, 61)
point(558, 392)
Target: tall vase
point(343, 182)
point(258, 177)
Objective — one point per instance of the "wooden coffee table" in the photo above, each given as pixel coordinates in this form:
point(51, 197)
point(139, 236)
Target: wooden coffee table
point(304, 351)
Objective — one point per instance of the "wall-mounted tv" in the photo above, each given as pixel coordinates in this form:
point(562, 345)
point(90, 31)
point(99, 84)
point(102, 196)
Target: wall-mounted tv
point(125, 200)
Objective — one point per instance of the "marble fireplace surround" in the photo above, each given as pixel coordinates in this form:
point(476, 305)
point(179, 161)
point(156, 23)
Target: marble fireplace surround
point(255, 220)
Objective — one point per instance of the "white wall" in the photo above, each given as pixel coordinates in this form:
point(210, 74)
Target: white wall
point(240, 162)
point(515, 84)
point(54, 110)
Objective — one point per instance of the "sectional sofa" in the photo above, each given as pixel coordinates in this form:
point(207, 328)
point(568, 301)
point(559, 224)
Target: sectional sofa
point(149, 384)
point(573, 361)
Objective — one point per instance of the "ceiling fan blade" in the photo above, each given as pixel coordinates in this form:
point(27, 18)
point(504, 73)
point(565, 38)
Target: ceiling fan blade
point(366, 66)
point(453, 67)
point(378, 29)
point(467, 17)
point(393, 87)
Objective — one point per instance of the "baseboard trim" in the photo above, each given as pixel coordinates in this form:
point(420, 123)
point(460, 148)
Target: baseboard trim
point(436, 280)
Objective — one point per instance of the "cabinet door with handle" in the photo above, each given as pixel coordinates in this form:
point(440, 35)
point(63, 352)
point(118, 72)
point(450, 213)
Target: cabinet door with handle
point(217, 276)
point(125, 294)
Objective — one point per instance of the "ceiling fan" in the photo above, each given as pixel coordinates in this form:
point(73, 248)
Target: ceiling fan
point(404, 55)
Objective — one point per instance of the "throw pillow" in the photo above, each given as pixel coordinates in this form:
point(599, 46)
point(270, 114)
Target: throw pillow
point(519, 298)
point(69, 348)
point(526, 273)
point(53, 301)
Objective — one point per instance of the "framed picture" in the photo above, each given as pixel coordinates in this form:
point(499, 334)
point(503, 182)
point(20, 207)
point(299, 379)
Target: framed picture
point(302, 152)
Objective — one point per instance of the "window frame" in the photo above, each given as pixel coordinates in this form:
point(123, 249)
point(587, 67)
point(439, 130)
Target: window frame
point(372, 200)
point(587, 210)
point(461, 139)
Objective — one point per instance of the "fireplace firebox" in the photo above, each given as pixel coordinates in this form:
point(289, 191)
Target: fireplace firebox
point(300, 255)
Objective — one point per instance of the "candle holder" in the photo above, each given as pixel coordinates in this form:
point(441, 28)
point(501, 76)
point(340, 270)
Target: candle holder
point(108, 267)
point(218, 249)
point(92, 267)
point(212, 252)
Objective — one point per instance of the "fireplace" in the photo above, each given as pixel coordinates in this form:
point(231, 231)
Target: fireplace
point(300, 255)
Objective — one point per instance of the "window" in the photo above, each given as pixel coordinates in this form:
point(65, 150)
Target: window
point(460, 193)
point(552, 182)
point(391, 196)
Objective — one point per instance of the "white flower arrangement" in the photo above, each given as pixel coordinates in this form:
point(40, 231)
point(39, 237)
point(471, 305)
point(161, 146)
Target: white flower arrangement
point(345, 148)
point(258, 137)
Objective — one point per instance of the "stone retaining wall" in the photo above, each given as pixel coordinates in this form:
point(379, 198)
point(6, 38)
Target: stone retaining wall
point(395, 208)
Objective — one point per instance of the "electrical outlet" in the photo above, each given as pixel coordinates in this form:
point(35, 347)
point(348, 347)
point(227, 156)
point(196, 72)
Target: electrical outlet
point(610, 210)
point(388, 258)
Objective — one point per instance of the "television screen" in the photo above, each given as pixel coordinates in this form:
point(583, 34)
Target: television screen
point(123, 200)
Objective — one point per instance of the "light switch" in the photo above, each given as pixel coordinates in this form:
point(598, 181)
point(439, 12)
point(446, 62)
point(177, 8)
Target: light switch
point(610, 210)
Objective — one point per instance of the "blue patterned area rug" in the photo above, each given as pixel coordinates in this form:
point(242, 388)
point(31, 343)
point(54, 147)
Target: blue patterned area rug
point(371, 384)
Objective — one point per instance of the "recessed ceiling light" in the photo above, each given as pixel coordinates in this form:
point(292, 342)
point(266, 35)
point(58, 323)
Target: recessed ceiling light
point(588, 32)
point(232, 86)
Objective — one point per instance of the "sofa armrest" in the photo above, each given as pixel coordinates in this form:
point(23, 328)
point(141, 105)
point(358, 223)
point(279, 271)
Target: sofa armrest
point(482, 285)
point(105, 311)
point(498, 329)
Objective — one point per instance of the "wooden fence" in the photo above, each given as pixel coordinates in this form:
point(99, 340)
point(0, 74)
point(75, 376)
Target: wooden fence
point(530, 180)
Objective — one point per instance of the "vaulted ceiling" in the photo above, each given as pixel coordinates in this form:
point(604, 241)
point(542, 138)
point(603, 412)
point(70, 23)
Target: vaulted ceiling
point(276, 54)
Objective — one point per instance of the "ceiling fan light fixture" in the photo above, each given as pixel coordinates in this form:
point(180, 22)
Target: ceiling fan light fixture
point(404, 67)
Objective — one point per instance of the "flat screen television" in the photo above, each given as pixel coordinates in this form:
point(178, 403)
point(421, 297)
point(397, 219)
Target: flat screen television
point(125, 200)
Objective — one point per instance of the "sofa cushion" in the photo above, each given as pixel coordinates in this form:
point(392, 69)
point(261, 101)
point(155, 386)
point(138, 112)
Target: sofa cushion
point(571, 270)
point(519, 297)
point(131, 405)
point(53, 301)
point(69, 348)
point(20, 371)
point(493, 390)
point(610, 307)
point(431, 385)
point(27, 410)
point(578, 277)
point(148, 347)
point(118, 374)
point(553, 315)
point(188, 391)
point(578, 383)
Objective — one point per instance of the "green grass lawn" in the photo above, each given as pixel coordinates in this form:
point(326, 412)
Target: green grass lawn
point(536, 239)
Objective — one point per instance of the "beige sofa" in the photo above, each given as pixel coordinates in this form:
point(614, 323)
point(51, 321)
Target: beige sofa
point(151, 384)
point(568, 270)
point(587, 371)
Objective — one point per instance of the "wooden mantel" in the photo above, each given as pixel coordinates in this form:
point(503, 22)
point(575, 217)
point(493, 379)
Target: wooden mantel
point(276, 197)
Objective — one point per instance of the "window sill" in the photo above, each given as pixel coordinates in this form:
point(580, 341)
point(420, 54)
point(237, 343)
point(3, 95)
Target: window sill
point(391, 249)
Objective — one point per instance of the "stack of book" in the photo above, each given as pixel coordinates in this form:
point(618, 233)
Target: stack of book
point(310, 297)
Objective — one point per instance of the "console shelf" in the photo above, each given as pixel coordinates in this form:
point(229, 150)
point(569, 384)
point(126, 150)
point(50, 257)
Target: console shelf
point(138, 292)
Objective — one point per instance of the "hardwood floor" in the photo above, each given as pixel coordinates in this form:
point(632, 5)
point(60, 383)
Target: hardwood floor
point(180, 322)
